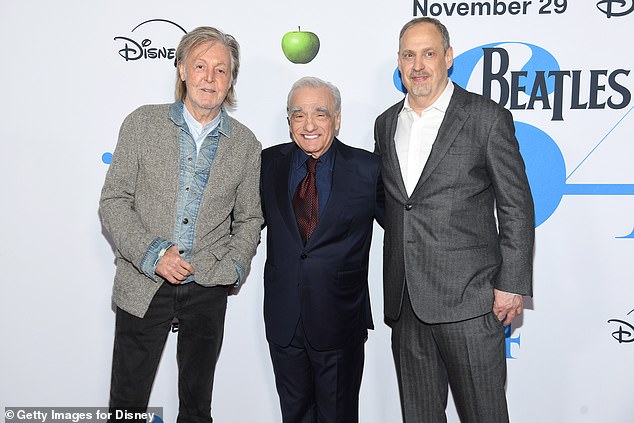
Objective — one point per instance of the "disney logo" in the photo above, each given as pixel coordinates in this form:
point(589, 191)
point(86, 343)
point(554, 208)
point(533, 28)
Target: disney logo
point(625, 332)
point(615, 7)
point(623, 335)
point(135, 50)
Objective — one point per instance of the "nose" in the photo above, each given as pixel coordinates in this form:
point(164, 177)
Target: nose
point(309, 124)
point(210, 75)
point(419, 63)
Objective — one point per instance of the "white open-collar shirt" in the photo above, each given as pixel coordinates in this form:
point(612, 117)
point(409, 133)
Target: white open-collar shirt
point(415, 136)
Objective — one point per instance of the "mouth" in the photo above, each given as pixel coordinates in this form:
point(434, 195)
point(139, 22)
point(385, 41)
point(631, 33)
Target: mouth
point(420, 78)
point(310, 137)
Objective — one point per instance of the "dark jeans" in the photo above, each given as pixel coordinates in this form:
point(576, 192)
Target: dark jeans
point(139, 343)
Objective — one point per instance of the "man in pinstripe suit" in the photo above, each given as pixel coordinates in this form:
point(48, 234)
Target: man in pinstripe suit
point(459, 230)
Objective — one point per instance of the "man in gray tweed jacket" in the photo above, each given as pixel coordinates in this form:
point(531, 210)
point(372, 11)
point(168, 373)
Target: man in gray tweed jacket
point(181, 203)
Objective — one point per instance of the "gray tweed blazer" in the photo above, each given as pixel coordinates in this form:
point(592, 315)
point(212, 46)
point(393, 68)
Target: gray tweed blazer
point(138, 204)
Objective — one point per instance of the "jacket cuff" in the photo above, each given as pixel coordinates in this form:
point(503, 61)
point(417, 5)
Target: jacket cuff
point(152, 256)
point(240, 272)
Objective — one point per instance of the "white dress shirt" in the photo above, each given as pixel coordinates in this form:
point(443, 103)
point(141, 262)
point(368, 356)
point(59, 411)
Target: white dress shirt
point(415, 136)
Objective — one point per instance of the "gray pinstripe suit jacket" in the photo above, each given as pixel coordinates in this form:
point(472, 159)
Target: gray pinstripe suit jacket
point(444, 239)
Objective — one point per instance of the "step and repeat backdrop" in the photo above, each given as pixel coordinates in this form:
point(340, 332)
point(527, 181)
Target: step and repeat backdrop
point(72, 70)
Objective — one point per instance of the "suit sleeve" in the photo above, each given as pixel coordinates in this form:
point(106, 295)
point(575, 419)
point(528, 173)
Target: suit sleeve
point(379, 213)
point(514, 206)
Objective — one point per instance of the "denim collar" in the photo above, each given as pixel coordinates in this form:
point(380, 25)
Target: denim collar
point(176, 115)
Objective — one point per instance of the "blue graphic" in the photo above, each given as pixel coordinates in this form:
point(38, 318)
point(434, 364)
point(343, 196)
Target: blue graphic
point(546, 171)
point(631, 235)
point(545, 168)
point(157, 419)
point(509, 341)
point(545, 164)
point(106, 157)
point(398, 82)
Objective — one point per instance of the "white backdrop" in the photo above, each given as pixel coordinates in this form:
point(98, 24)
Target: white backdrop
point(66, 90)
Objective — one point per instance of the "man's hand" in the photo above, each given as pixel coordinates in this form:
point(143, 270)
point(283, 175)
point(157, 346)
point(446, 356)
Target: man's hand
point(173, 267)
point(507, 306)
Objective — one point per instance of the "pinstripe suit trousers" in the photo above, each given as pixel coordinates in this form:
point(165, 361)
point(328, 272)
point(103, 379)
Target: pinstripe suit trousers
point(469, 356)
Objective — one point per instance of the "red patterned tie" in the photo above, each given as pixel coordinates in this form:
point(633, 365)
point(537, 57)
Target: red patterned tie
point(306, 203)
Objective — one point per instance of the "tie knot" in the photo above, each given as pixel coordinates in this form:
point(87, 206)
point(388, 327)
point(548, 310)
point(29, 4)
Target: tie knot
point(311, 164)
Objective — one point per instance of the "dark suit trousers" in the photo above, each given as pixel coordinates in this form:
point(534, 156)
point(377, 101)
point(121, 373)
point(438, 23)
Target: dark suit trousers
point(469, 356)
point(139, 343)
point(318, 386)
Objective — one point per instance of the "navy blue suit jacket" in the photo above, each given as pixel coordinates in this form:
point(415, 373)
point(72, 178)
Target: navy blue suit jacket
point(326, 280)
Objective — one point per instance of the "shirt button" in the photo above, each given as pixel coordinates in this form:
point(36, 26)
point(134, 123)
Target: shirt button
point(185, 221)
point(181, 251)
point(408, 207)
point(303, 256)
point(186, 188)
point(189, 159)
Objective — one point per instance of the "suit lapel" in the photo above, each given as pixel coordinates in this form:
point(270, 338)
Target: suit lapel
point(392, 156)
point(453, 122)
point(281, 178)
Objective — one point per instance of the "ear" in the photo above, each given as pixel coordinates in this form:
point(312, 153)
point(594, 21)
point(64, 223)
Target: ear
point(337, 122)
point(181, 71)
point(449, 57)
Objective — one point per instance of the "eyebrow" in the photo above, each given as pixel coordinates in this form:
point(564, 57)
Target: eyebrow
point(294, 110)
point(322, 109)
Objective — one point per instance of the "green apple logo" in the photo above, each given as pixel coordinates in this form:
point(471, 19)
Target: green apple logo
point(300, 46)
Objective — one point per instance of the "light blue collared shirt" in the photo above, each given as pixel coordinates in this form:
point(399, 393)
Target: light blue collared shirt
point(198, 131)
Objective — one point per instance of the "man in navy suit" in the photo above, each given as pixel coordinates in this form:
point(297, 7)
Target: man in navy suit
point(316, 299)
